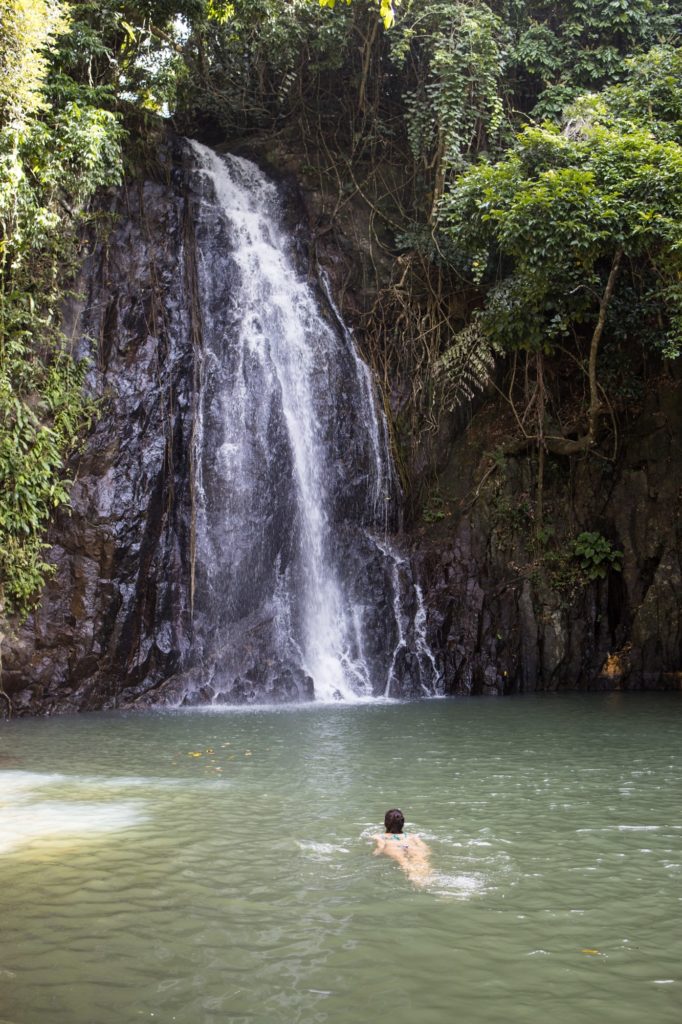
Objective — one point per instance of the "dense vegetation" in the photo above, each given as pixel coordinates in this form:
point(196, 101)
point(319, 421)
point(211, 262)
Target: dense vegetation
point(58, 145)
point(520, 162)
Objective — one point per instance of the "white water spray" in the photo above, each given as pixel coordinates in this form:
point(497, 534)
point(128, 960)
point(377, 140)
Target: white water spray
point(293, 472)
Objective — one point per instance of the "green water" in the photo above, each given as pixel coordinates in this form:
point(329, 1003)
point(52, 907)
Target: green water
point(142, 882)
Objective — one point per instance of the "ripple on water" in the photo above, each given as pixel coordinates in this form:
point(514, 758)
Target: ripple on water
point(258, 899)
point(320, 851)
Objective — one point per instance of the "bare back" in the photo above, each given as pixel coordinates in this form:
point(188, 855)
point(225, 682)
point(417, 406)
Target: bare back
point(410, 852)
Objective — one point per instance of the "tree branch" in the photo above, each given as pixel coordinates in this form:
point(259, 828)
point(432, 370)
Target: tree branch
point(595, 408)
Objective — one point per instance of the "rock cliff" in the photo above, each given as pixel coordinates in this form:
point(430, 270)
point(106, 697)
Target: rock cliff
point(503, 615)
point(508, 614)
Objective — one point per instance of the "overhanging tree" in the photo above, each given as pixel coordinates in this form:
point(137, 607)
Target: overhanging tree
point(576, 236)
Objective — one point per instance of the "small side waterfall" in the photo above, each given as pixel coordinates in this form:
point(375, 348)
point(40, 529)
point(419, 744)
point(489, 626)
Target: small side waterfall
point(297, 589)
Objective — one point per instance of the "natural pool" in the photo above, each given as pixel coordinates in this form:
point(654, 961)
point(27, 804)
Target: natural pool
point(215, 866)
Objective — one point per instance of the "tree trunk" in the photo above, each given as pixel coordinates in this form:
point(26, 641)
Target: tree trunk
point(595, 403)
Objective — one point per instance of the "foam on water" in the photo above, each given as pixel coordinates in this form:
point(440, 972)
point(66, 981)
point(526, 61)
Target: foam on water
point(320, 851)
point(26, 819)
point(354, 700)
point(461, 887)
point(14, 783)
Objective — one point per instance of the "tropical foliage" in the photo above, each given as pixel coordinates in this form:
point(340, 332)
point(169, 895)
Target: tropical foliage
point(519, 162)
point(577, 233)
point(55, 151)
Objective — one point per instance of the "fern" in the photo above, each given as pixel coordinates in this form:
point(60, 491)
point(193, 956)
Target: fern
point(466, 366)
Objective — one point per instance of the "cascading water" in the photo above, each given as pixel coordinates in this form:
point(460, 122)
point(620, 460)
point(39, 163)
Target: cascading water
point(297, 589)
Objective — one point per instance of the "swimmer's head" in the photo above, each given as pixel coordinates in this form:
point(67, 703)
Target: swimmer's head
point(394, 821)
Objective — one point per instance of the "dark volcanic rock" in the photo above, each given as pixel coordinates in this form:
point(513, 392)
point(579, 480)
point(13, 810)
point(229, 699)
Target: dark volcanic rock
point(505, 620)
point(124, 621)
point(116, 614)
point(236, 479)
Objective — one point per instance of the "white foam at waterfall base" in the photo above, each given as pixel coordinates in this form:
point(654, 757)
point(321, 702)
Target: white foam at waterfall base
point(26, 819)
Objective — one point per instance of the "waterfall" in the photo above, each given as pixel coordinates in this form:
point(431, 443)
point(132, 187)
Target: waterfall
point(297, 589)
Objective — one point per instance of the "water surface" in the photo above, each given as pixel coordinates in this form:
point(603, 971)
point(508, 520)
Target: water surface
point(215, 866)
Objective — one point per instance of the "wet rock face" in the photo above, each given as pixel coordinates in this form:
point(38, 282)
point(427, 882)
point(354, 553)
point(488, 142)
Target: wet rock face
point(116, 615)
point(502, 624)
point(169, 572)
point(116, 624)
point(129, 618)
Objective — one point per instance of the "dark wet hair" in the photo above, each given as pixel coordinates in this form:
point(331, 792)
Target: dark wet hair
point(394, 821)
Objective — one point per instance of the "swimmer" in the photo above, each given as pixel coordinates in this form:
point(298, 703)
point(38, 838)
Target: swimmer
point(410, 852)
